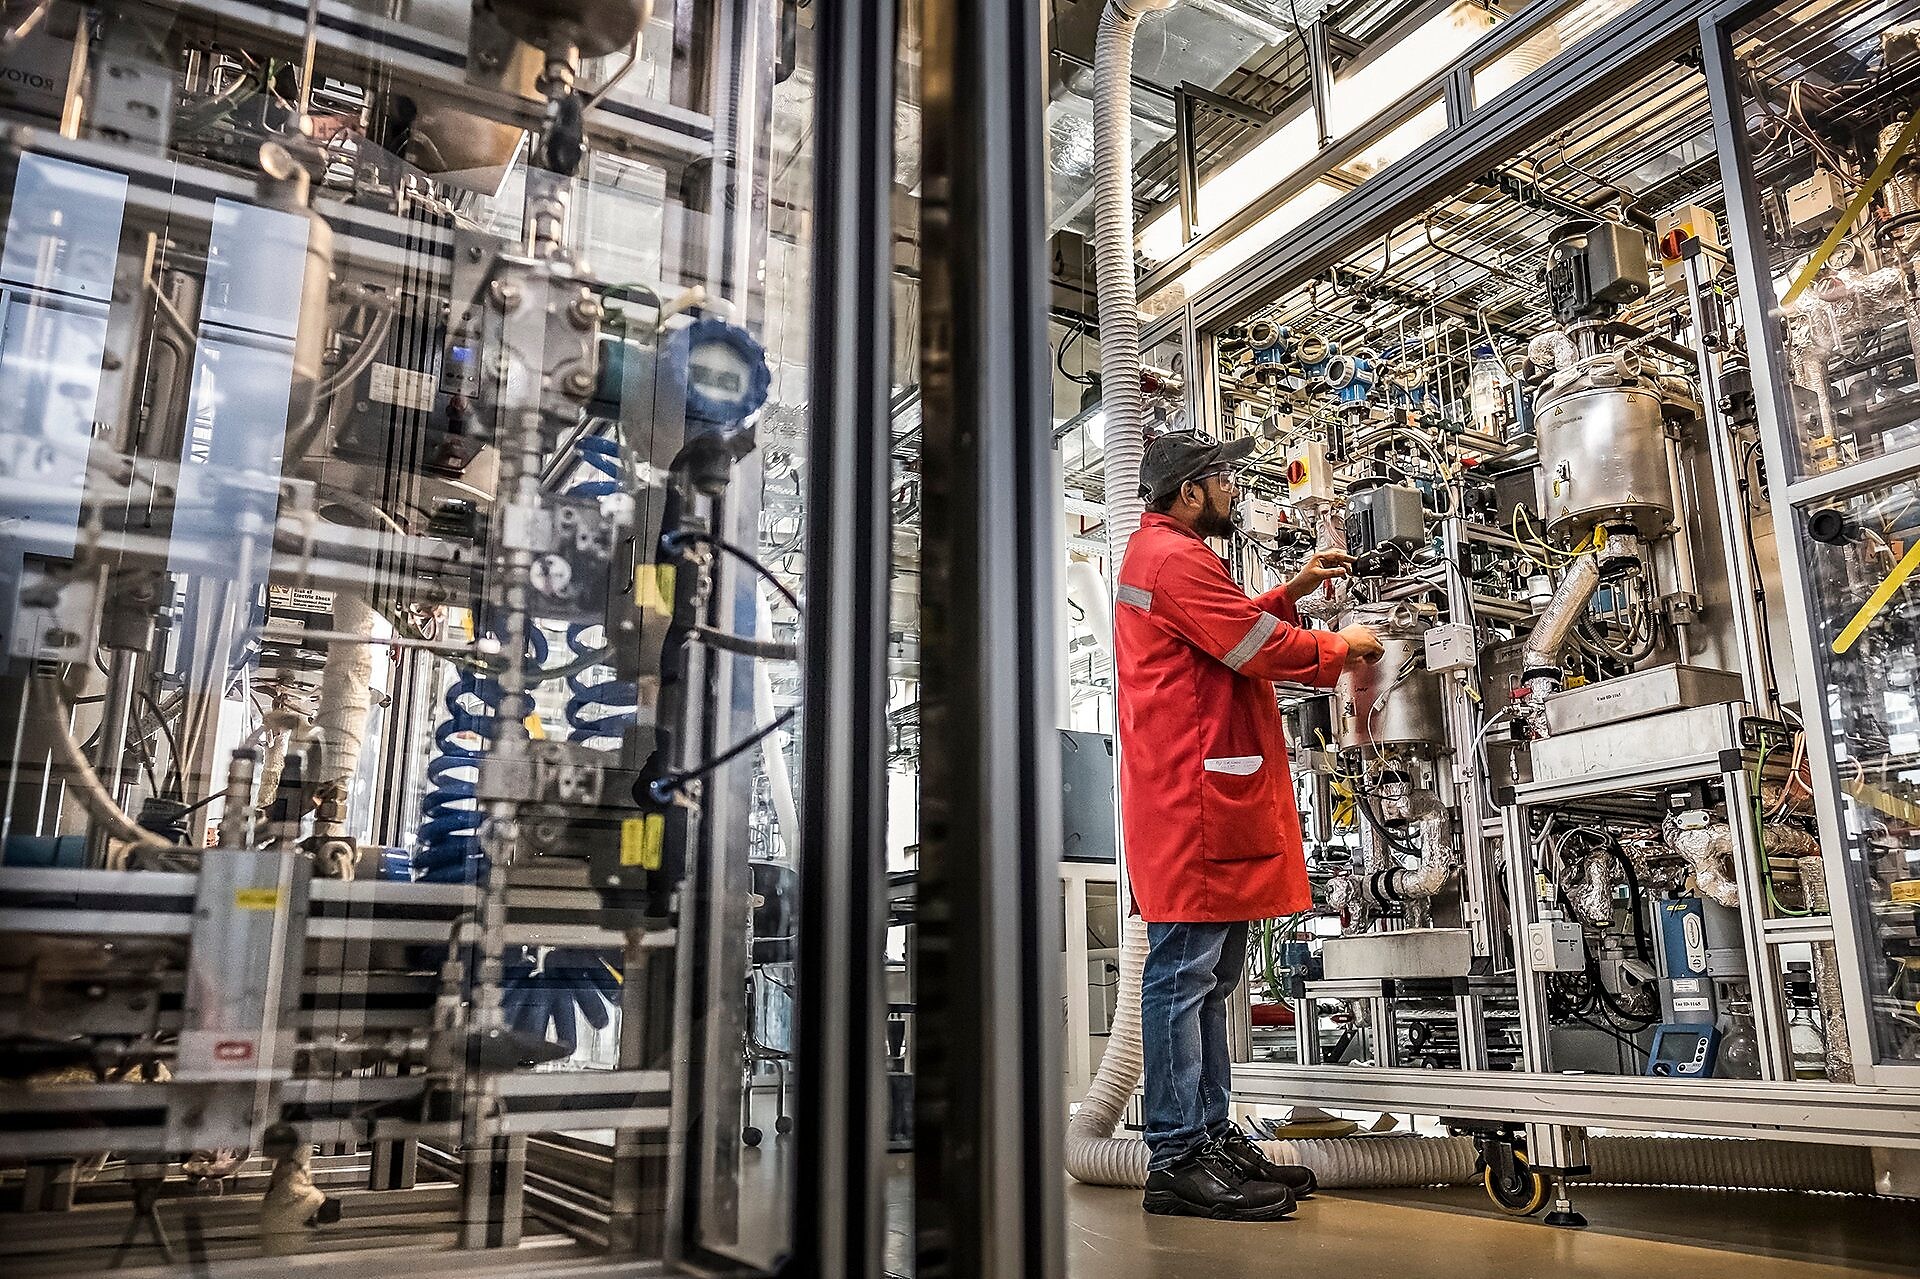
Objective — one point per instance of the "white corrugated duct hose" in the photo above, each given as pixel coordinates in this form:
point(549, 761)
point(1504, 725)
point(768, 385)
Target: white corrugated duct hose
point(1093, 1154)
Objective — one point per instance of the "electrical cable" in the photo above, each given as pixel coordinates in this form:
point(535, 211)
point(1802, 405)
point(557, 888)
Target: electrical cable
point(662, 789)
point(677, 540)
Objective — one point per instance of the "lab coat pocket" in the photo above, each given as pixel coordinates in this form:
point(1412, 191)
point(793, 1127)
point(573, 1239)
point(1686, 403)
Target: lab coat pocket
point(1237, 793)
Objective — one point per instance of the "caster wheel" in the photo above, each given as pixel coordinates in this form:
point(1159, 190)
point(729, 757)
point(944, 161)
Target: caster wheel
point(1522, 1194)
point(751, 1136)
point(783, 1125)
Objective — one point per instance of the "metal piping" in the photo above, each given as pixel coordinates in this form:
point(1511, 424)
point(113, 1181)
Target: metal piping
point(1555, 626)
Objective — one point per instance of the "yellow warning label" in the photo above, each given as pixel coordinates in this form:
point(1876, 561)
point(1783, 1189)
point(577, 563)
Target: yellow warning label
point(1906, 890)
point(257, 898)
point(643, 840)
point(653, 591)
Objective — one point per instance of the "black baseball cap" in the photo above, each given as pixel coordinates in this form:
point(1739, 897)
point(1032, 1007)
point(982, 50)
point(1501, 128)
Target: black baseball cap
point(1179, 456)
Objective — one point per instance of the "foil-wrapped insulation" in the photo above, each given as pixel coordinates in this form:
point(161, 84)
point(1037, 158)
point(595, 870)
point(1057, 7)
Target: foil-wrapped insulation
point(1540, 660)
point(1588, 880)
point(1658, 868)
point(1831, 315)
point(1329, 534)
point(1709, 850)
point(1432, 827)
point(1552, 351)
point(1826, 976)
point(340, 714)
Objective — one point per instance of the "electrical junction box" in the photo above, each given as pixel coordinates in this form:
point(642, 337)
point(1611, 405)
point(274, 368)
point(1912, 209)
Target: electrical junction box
point(1556, 946)
point(1674, 228)
point(1260, 518)
point(1450, 647)
point(1816, 202)
point(1386, 515)
point(1309, 478)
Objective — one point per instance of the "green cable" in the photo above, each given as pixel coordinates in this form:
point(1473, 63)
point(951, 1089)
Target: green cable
point(1760, 834)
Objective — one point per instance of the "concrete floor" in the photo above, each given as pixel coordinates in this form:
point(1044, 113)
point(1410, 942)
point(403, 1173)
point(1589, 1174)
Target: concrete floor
point(1455, 1234)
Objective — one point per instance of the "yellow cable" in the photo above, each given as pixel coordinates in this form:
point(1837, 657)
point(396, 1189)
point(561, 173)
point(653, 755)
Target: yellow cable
point(1868, 190)
point(1881, 593)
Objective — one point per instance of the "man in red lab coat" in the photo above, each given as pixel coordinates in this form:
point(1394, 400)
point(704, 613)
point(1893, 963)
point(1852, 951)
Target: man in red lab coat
point(1212, 834)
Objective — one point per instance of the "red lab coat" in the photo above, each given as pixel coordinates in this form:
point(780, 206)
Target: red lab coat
point(1206, 798)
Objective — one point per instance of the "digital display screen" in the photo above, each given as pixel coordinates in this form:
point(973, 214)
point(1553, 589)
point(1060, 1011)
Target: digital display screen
point(1679, 1047)
point(725, 380)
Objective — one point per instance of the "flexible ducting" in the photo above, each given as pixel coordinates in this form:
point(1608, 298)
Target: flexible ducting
point(1731, 1163)
point(1120, 395)
point(1555, 626)
point(1721, 1163)
point(1092, 1152)
point(340, 711)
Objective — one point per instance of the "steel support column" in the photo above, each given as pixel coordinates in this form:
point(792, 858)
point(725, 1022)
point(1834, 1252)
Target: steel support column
point(988, 1108)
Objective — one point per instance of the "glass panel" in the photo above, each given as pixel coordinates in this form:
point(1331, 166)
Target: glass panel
point(1867, 620)
point(1838, 230)
point(401, 554)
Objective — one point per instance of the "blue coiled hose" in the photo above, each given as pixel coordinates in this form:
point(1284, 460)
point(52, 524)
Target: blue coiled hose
point(448, 851)
point(604, 710)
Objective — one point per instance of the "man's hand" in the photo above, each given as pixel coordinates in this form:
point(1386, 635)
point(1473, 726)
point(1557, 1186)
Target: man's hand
point(1321, 566)
point(1362, 645)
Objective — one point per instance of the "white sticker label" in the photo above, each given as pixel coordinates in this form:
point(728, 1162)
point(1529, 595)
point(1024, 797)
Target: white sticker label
point(406, 388)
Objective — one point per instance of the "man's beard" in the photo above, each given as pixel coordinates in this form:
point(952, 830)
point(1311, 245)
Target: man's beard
point(1214, 523)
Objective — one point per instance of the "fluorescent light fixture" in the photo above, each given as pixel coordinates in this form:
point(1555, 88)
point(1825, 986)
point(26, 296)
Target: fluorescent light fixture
point(1159, 240)
point(1358, 96)
point(1273, 158)
point(1362, 93)
point(1266, 231)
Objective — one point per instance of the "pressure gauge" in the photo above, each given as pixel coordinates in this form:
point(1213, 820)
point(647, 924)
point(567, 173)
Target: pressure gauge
point(724, 370)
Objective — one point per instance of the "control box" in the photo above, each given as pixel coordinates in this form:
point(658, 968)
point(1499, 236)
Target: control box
point(1556, 946)
point(1449, 647)
point(1309, 477)
point(1674, 228)
point(1816, 203)
point(1683, 1051)
point(1385, 515)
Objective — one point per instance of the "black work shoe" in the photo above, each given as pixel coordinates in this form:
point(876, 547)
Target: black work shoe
point(1241, 1151)
point(1206, 1184)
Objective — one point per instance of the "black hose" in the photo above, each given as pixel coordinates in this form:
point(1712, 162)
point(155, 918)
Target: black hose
point(1643, 942)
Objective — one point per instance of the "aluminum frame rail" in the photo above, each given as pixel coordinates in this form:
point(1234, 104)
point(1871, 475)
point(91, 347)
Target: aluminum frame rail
point(840, 1202)
point(1833, 1113)
point(988, 1105)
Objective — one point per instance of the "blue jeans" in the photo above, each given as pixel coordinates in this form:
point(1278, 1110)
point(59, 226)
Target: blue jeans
point(1190, 970)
